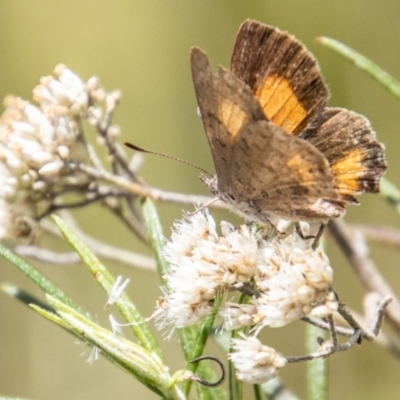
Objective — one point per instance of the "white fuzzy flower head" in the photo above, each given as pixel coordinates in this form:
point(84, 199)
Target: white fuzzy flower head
point(36, 144)
point(255, 363)
point(237, 316)
point(16, 220)
point(293, 279)
point(203, 265)
point(68, 91)
point(285, 278)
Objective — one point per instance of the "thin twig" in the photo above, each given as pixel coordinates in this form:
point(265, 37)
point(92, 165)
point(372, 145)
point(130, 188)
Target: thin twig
point(376, 327)
point(348, 317)
point(99, 248)
point(78, 204)
point(366, 270)
point(102, 127)
point(47, 256)
point(376, 312)
point(145, 191)
point(389, 342)
point(131, 221)
point(384, 234)
point(332, 329)
point(331, 350)
point(103, 248)
point(326, 326)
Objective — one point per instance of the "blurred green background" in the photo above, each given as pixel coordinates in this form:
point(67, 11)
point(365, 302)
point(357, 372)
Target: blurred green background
point(142, 47)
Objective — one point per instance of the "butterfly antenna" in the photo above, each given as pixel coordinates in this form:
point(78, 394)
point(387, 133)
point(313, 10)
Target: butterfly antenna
point(134, 147)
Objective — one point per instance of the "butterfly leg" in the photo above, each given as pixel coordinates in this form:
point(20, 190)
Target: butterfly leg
point(300, 232)
point(318, 236)
point(204, 206)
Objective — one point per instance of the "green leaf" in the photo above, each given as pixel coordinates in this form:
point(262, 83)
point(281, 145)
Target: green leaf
point(364, 64)
point(274, 389)
point(317, 370)
point(146, 366)
point(24, 296)
point(156, 236)
point(52, 316)
point(235, 386)
point(390, 193)
point(198, 343)
point(191, 339)
point(107, 281)
point(37, 277)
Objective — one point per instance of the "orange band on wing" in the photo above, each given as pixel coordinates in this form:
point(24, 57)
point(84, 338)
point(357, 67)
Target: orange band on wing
point(302, 168)
point(232, 116)
point(280, 104)
point(349, 170)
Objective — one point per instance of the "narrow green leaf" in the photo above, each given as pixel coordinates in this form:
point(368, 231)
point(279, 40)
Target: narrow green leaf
point(387, 189)
point(365, 64)
point(24, 296)
point(144, 365)
point(274, 389)
point(199, 342)
point(107, 281)
point(52, 316)
point(235, 386)
point(317, 370)
point(257, 392)
point(191, 339)
point(156, 236)
point(390, 193)
point(37, 277)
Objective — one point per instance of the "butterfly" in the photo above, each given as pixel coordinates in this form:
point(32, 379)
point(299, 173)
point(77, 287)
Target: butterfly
point(278, 151)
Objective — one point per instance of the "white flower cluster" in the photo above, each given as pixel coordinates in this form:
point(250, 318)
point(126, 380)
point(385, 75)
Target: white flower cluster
point(284, 278)
point(255, 363)
point(35, 143)
point(204, 265)
point(293, 281)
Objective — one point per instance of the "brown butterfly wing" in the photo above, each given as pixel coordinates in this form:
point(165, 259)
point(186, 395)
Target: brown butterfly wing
point(226, 105)
point(256, 161)
point(281, 174)
point(356, 158)
point(282, 73)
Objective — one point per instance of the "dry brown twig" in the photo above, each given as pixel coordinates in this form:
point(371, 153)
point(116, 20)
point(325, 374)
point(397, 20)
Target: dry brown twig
point(355, 332)
point(365, 268)
point(98, 247)
point(383, 234)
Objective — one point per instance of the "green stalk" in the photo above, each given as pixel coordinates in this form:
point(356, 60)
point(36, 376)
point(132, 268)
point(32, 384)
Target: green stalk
point(145, 365)
point(38, 278)
point(192, 340)
point(156, 237)
point(107, 281)
point(390, 193)
point(365, 64)
point(317, 370)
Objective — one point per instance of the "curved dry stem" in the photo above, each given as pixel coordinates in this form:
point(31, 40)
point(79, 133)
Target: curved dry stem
point(383, 234)
point(365, 269)
point(145, 191)
point(98, 247)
